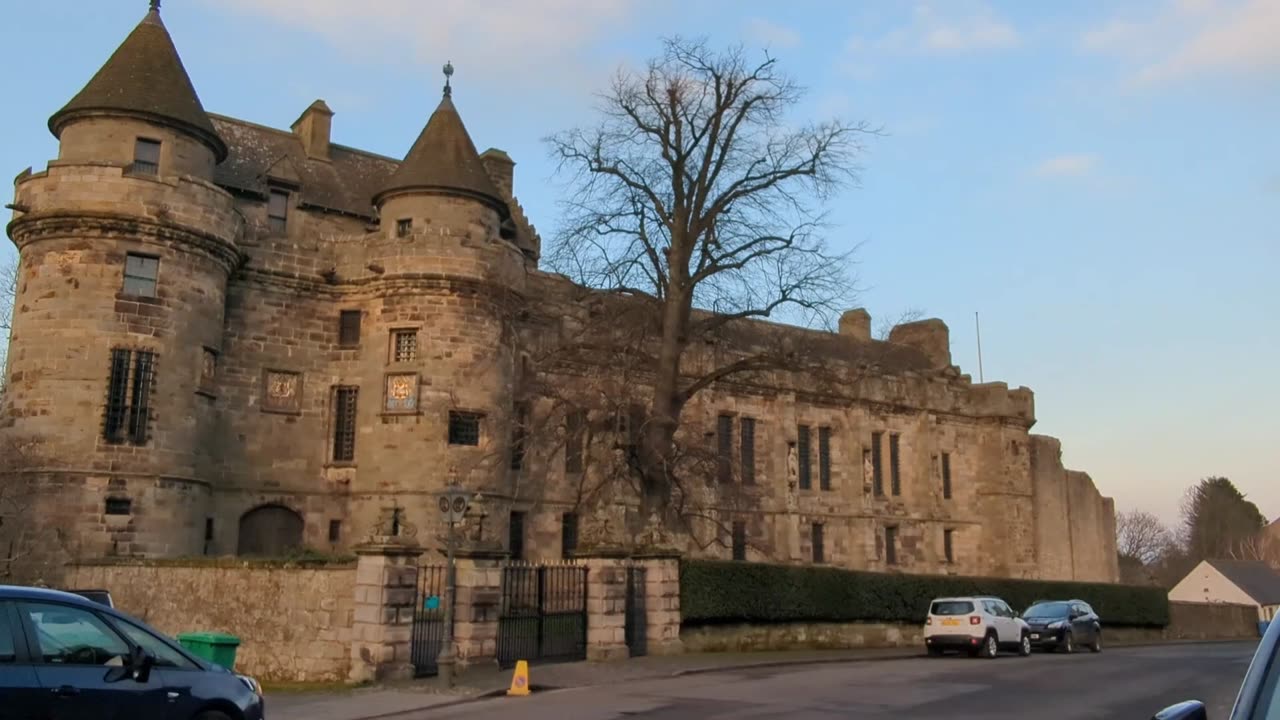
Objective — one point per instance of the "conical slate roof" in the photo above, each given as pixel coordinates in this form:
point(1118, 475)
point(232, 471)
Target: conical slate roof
point(144, 78)
point(443, 158)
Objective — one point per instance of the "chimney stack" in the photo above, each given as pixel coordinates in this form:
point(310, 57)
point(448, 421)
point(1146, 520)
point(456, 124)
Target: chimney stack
point(312, 127)
point(500, 168)
point(856, 324)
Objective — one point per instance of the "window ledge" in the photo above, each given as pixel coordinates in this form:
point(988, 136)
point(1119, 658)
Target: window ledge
point(281, 411)
point(340, 465)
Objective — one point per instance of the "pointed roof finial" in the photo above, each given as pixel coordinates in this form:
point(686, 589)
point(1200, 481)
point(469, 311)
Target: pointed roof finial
point(448, 73)
point(155, 5)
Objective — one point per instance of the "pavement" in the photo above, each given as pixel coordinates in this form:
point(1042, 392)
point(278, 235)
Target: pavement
point(1119, 683)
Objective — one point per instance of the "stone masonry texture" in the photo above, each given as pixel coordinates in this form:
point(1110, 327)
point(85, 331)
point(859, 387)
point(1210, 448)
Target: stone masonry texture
point(246, 323)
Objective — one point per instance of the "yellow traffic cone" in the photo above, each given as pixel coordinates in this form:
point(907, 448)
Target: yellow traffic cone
point(520, 680)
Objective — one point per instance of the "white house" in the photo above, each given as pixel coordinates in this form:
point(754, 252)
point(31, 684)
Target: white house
point(1244, 582)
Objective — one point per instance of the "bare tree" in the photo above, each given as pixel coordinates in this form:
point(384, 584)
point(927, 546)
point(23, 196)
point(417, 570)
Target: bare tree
point(1142, 537)
point(8, 291)
point(886, 325)
point(696, 200)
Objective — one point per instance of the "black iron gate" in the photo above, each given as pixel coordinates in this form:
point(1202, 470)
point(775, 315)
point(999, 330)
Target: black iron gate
point(428, 620)
point(636, 628)
point(543, 615)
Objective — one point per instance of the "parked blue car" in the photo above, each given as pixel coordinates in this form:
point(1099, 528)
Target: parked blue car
point(65, 657)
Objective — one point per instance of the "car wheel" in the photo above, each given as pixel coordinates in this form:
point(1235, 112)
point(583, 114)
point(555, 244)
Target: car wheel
point(990, 647)
point(212, 715)
point(1096, 645)
point(935, 651)
point(1068, 644)
point(1024, 649)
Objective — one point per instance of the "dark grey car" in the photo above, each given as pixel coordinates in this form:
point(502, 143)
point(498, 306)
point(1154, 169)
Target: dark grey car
point(1064, 625)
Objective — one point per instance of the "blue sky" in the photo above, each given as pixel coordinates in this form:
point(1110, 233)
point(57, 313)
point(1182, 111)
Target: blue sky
point(1100, 181)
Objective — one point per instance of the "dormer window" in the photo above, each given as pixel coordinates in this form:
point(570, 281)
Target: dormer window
point(404, 226)
point(146, 157)
point(278, 211)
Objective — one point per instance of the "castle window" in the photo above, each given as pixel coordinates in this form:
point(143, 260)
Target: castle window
point(739, 540)
point(464, 428)
point(748, 451)
point(819, 552)
point(146, 157)
point(404, 346)
point(724, 454)
point(568, 534)
point(575, 435)
point(946, 476)
point(824, 458)
point(404, 226)
point(628, 422)
point(947, 548)
point(349, 328)
point(877, 464)
point(344, 423)
point(515, 536)
point(891, 545)
point(804, 469)
point(140, 272)
point(129, 398)
point(895, 476)
point(335, 530)
point(278, 211)
point(118, 506)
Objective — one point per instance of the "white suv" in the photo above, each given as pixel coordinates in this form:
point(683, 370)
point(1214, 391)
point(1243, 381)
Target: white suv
point(979, 625)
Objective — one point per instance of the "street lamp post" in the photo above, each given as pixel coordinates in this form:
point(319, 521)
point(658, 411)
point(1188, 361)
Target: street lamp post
point(453, 508)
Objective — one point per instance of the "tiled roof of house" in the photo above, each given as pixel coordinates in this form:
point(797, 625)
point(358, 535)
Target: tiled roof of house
point(1254, 577)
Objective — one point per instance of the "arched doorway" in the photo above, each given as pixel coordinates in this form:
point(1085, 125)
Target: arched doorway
point(269, 530)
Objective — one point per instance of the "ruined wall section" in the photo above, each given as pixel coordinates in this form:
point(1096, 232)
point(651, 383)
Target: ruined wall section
point(1075, 525)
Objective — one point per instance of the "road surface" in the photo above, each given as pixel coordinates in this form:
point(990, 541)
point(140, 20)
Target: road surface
point(1119, 683)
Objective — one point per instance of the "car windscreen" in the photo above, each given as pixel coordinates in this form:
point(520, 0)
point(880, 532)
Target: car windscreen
point(951, 607)
point(1049, 609)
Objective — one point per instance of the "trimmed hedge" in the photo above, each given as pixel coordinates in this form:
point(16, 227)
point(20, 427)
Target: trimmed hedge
point(713, 591)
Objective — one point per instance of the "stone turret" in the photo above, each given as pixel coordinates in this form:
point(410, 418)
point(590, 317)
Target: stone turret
point(126, 247)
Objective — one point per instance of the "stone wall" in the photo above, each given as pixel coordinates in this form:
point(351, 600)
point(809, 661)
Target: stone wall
point(1188, 622)
point(1075, 526)
point(294, 623)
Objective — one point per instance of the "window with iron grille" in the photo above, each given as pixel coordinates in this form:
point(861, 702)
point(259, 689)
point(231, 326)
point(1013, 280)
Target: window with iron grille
point(802, 450)
point(946, 476)
point(344, 423)
point(877, 464)
point(568, 534)
point(515, 536)
point(574, 436)
point(748, 451)
point(404, 345)
point(724, 451)
point(739, 540)
point(519, 431)
point(278, 211)
point(464, 428)
point(146, 157)
point(118, 506)
point(128, 410)
point(819, 551)
point(335, 530)
point(404, 226)
point(895, 477)
point(947, 547)
point(824, 458)
point(891, 545)
point(349, 328)
point(140, 273)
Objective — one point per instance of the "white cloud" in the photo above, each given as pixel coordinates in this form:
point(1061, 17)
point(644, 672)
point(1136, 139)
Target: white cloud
point(1069, 165)
point(507, 40)
point(977, 28)
point(1187, 38)
point(772, 34)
